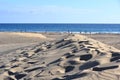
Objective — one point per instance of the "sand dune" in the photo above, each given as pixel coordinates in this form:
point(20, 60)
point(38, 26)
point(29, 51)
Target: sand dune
point(21, 37)
point(13, 40)
point(74, 57)
point(28, 34)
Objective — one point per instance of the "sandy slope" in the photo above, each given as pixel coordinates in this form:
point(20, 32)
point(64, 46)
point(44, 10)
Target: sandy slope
point(17, 37)
point(14, 40)
point(75, 57)
point(110, 39)
point(36, 35)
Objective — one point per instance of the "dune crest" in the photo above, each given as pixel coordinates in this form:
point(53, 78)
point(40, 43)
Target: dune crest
point(37, 35)
point(75, 57)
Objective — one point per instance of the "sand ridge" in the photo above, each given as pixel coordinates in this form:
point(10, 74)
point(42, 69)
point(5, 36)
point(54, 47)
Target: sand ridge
point(38, 35)
point(75, 57)
point(13, 40)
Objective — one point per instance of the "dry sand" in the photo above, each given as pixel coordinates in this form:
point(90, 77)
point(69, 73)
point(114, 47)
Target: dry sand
point(67, 57)
point(13, 40)
point(110, 39)
point(31, 35)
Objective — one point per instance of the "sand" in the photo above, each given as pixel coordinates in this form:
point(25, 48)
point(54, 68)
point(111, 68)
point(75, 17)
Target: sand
point(110, 39)
point(12, 40)
point(68, 57)
point(32, 35)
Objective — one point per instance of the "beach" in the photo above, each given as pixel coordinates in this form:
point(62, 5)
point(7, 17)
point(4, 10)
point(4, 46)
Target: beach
point(16, 41)
point(59, 56)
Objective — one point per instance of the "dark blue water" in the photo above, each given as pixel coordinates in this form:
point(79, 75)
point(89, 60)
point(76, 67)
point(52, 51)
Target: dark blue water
point(101, 28)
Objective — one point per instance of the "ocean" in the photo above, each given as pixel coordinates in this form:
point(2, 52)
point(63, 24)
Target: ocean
point(78, 28)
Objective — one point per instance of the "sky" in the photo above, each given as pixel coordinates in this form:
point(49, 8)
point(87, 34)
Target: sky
point(60, 11)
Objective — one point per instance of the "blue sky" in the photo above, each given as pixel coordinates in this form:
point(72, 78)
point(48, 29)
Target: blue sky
point(59, 11)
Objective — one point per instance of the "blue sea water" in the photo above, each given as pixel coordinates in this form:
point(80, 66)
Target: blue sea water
point(95, 28)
